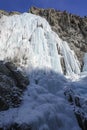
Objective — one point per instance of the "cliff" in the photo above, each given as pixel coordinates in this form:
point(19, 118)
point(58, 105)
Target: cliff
point(69, 27)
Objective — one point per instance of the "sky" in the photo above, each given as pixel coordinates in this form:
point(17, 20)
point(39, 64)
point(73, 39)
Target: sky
point(78, 7)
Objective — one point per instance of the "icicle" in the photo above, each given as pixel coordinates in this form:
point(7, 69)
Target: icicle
point(28, 40)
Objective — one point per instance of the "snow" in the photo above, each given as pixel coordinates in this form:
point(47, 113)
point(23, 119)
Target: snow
point(29, 42)
point(44, 106)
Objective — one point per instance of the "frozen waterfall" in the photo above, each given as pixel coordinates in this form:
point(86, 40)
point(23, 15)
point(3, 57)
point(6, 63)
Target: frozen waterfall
point(29, 41)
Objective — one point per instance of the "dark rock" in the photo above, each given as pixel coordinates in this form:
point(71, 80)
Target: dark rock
point(16, 126)
point(10, 94)
point(3, 105)
point(12, 84)
point(77, 101)
point(63, 65)
point(1, 128)
point(3, 69)
point(20, 78)
point(77, 108)
point(82, 120)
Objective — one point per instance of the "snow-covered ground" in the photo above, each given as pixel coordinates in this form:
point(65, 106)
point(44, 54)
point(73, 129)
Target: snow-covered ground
point(29, 42)
point(44, 106)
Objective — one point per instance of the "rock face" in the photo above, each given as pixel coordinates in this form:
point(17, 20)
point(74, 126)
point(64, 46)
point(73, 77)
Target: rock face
point(79, 106)
point(3, 12)
point(12, 84)
point(70, 28)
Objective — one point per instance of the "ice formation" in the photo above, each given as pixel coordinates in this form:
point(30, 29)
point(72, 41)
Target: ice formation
point(44, 106)
point(85, 63)
point(28, 40)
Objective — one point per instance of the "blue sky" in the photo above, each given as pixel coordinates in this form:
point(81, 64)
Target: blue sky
point(78, 7)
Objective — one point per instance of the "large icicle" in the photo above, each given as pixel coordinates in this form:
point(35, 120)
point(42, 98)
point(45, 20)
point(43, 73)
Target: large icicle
point(85, 63)
point(28, 40)
point(72, 64)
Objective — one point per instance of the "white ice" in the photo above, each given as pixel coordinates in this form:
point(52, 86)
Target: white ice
point(28, 41)
point(85, 63)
